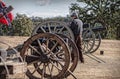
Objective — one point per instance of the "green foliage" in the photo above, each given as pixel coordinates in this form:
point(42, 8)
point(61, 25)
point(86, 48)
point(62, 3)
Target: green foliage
point(38, 20)
point(105, 11)
point(5, 30)
point(22, 25)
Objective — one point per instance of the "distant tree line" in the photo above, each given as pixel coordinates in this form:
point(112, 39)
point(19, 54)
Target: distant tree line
point(23, 25)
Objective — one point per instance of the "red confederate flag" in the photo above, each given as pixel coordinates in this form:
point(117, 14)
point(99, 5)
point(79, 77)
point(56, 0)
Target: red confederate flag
point(6, 19)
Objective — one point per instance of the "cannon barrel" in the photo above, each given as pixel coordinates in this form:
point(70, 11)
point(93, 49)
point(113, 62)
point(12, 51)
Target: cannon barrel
point(99, 28)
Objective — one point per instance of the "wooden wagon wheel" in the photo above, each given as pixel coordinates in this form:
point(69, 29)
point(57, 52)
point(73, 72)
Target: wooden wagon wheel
point(88, 40)
point(73, 51)
point(42, 52)
point(97, 42)
point(53, 27)
point(97, 35)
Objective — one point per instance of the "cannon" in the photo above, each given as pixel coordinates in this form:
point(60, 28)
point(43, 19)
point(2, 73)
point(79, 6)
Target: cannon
point(44, 55)
point(61, 29)
point(91, 37)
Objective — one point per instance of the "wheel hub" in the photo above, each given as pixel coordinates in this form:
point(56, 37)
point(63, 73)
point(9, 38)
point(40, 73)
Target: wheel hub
point(44, 59)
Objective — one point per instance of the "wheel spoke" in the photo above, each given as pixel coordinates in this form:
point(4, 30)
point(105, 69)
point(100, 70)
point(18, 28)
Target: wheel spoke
point(43, 29)
point(39, 45)
point(34, 49)
point(47, 43)
point(61, 30)
point(36, 68)
point(57, 59)
point(53, 47)
point(43, 72)
point(59, 52)
point(85, 45)
point(49, 28)
point(50, 70)
point(60, 63)
point(54, 29)
point(90, 44)
point(55, 66)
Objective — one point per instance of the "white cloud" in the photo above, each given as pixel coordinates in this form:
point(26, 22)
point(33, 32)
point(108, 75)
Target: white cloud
point(47, 14)
point(43, 2)
point(44, 14)
point(52, 8)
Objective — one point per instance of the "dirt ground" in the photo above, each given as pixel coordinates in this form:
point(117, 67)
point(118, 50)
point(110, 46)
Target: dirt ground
point(109, 69)
point(91, 69)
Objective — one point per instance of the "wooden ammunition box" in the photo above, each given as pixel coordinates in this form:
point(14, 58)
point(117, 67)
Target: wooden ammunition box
point(13, 68)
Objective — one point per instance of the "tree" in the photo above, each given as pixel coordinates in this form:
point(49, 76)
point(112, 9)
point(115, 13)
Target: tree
point(105, 11)
point(23, 25)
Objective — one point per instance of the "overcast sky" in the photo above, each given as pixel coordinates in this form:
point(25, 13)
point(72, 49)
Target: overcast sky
point(41, 8)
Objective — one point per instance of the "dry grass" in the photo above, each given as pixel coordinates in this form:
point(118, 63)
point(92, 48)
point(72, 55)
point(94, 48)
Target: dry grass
point(108, 70)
